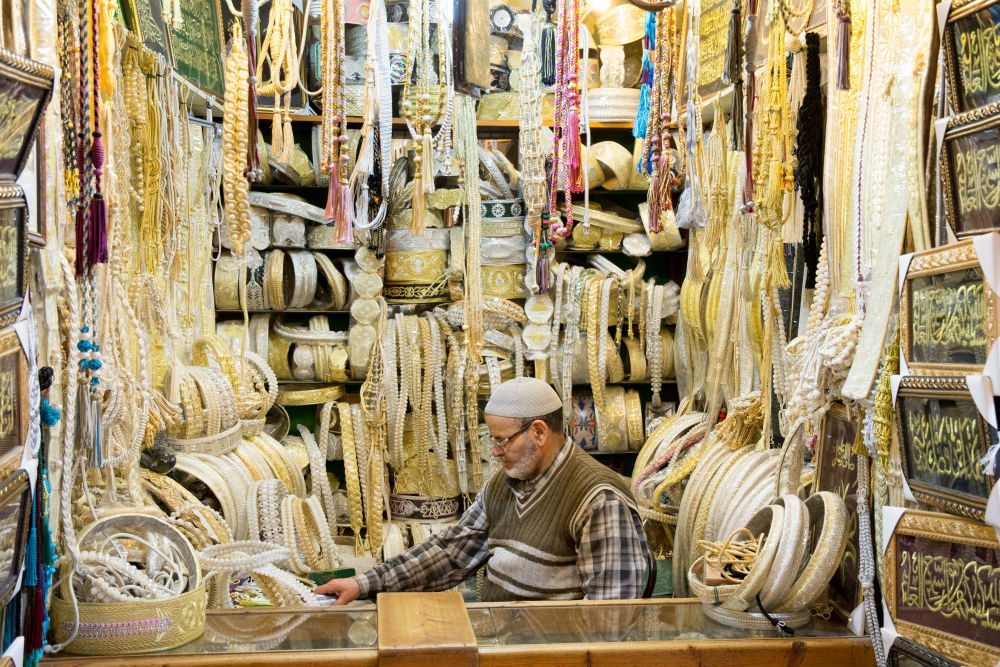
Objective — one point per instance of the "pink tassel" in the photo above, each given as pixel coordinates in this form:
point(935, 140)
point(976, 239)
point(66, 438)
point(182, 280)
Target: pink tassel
point(345, 226)
point(574, 175)
point(330, 214)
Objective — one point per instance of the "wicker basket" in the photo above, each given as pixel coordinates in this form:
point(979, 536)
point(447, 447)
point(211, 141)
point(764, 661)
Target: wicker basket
point(127, 628)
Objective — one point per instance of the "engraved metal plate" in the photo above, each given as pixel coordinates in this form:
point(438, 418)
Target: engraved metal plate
point(943, 583)
point(836, 471)
point(970, 171)
point(943, 437)
point(970, 46)
point(948, 312)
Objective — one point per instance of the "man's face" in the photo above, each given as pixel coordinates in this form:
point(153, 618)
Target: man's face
point(517, 447)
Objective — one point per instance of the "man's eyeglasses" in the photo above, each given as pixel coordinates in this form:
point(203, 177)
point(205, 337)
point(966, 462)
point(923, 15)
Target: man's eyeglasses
point(502, 443)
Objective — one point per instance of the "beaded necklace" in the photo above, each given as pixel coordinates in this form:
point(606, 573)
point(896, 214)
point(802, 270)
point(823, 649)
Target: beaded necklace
point(532, 154)
point(657, 144)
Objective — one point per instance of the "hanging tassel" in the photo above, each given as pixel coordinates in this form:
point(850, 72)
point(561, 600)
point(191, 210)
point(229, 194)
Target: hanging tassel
point(345, 221)
point(642, 116)
point(843, 45)
point(574, 174)
point(97, 249)
point(737, 116)
point(428, 163)
point(332, 192)
point(548, 53)
point(732, 70)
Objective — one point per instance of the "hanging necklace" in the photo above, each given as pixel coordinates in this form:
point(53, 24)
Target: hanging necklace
point(566, 172)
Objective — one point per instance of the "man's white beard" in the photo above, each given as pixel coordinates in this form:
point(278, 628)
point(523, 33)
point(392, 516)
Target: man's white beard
point(527, 465)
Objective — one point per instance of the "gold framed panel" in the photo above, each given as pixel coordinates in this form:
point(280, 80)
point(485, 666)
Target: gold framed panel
point(943, 574)
point(13, 401)
point(942, 438)
point(25, 89)
point(970, 53)
point(969, 176)
point(145, 19)
point(13, 253)
point(199, 44)
point(949, 314)
point(15, 519)
point(836, 471)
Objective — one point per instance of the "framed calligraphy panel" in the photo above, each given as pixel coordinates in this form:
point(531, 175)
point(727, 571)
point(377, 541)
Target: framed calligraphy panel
point(25, 88)
point(949, 315)
point(13, 401)
point(13, 253)
point(943, 585)
point(943, 437)
point(15, 516)
point(145, 19)
point(836, 471)
point(970, 171)
point(198, 45)
point(972, 58)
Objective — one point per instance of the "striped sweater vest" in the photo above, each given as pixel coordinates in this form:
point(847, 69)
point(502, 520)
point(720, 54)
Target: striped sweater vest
point(531, 543)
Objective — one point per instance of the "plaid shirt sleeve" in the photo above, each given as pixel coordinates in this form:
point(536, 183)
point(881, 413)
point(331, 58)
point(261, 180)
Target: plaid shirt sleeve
point(613, 557)
point(442, 562)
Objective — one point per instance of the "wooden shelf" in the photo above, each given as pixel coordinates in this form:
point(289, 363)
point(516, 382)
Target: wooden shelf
point(293, 311)
point(397, 122)
point(598, 251)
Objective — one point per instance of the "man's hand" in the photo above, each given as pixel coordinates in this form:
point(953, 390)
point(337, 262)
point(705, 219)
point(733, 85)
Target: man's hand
point(345, 590)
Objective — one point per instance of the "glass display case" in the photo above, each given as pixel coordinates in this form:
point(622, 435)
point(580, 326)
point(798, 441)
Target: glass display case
point(674, 632)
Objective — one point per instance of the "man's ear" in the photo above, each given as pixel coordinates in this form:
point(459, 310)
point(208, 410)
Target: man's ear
point(540, 428)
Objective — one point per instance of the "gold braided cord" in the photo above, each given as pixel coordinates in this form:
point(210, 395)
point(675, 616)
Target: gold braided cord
point(354, 502)
point(235, 139)
point(373, 409)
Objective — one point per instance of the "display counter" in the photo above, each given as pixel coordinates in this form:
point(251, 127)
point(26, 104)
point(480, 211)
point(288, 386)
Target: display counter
point(410, 629)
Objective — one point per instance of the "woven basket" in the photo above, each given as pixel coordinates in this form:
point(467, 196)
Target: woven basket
point(127, 628)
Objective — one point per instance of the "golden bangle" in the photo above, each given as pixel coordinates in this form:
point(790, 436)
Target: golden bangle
point(227, 275)
point(637, 371)
point(634, 420)
point(310, 396)
point(278, 352)
point(667, 347)
point(276, 275)
point(223, 357)
point(614, 435)
point(335, 281)
point(292, 477)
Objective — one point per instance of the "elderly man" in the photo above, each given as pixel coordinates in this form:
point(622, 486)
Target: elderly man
point(555, 525)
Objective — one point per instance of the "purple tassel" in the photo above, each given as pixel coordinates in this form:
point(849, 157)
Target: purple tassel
point(844, 53)
point(542, 273)
point(98, 241)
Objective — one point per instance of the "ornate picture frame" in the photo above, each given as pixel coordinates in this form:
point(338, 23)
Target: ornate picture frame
point(968, 155)
point(13, 253)
point(949, 314)
point(25, 89)
point(942, 437)
point(32, 182)
point(198, 46)
point(145, 19)
point(939, 571)
point(15, 520)
point(968, 31)
point(13, 401)
point(905, 653)
point(836, 471)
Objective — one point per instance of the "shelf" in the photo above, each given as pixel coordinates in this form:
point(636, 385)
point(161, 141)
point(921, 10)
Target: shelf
point(400, 123)
point(284, 312)
point(600, 454)
point(598, 251)
point(627, 383)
